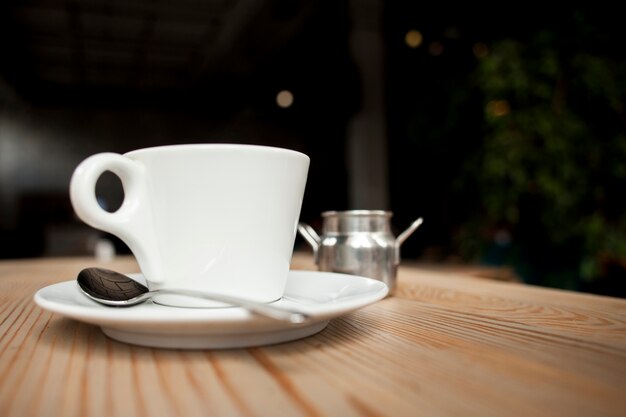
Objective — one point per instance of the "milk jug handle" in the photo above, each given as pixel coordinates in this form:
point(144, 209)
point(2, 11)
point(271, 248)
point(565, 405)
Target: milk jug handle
point(310, 235)
point(404, 235)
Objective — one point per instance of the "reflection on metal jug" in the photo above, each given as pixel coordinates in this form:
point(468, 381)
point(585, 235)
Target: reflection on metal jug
point(358, 242)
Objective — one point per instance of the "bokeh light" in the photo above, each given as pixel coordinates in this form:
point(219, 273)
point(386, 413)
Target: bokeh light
point(413, 38)
point(284, 99)
point(480, 50)
point(435, 48)
point(498, 108)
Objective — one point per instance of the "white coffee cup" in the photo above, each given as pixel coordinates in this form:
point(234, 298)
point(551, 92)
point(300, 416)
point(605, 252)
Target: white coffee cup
point(209, 217)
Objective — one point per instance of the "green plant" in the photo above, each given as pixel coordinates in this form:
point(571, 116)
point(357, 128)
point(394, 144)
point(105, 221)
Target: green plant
point(551, 168)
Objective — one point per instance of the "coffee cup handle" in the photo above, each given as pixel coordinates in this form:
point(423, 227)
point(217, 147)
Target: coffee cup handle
point(132, 221)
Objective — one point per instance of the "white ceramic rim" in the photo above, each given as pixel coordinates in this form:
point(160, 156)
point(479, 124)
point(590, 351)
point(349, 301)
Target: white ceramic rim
point(195, 147)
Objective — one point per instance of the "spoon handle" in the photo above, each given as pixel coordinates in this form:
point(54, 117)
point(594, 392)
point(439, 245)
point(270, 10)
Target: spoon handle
point(265, 310)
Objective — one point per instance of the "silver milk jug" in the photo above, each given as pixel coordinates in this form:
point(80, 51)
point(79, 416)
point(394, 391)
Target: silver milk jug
point(358, 242)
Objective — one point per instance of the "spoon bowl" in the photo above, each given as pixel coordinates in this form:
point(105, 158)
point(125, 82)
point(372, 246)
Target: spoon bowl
point(113, 289)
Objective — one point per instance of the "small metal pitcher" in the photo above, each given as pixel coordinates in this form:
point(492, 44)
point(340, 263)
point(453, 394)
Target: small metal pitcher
point(358, 242)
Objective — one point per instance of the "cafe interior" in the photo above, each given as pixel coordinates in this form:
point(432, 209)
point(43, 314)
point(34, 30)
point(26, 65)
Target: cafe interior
point(507, 137)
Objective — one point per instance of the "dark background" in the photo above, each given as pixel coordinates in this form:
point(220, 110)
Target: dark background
point(86, 76)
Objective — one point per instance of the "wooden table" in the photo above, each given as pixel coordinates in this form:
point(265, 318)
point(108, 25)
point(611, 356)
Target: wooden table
point(444, 345)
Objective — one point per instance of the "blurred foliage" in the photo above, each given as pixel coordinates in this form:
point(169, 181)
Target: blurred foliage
point(551, 168)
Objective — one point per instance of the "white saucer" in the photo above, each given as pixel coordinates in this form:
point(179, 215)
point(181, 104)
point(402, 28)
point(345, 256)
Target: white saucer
point(322, 295)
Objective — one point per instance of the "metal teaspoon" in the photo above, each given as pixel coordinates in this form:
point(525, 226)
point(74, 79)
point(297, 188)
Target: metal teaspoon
point(114, 289)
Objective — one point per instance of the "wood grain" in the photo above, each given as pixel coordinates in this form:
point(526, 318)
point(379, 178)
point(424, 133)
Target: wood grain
point(447, 344)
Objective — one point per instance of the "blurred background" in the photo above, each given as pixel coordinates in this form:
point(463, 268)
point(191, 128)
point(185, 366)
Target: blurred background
point(503, 128)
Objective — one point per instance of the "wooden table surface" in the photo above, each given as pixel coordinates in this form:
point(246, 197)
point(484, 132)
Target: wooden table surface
point(445, 345)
